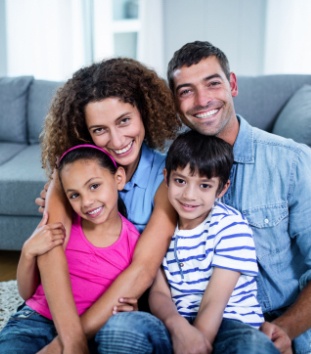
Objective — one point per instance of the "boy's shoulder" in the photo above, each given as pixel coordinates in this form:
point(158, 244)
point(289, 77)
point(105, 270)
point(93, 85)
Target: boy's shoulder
point(222, 210)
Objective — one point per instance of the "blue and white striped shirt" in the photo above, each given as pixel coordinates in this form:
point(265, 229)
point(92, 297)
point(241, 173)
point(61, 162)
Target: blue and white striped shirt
point(223, 240)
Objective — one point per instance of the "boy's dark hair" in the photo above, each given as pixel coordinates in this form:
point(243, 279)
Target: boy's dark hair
point(103, 160)
point(193, 53)
point(209, 156)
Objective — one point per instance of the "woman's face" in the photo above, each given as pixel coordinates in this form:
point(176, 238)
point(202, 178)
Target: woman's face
point(118, 128)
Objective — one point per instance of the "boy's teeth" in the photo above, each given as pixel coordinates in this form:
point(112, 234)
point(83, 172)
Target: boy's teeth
point(207, 114)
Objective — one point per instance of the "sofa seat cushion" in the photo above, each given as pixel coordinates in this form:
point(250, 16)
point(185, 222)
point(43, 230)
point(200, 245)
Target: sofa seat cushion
point(22, 179)
point(294, 121)
point(9, 150)
point(13, 108)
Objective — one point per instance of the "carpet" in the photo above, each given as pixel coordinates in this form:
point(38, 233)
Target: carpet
point(9, 300)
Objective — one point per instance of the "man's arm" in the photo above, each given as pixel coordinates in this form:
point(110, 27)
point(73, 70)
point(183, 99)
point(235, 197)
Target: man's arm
point(148, 255)
point(185, 337)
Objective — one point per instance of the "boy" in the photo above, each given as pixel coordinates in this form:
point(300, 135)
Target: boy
point(210, 268)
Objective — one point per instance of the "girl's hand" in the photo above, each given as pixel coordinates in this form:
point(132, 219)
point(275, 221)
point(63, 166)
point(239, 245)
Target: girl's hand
point(40, 201)
point(44, 238)
point(127, 304)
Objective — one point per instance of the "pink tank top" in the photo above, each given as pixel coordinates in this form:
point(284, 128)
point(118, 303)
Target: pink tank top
point(91, 269)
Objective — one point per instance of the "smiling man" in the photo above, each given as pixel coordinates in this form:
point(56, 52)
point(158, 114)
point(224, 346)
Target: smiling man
point(278, 208)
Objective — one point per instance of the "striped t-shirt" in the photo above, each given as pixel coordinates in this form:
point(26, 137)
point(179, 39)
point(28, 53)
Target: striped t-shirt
point(223, 240)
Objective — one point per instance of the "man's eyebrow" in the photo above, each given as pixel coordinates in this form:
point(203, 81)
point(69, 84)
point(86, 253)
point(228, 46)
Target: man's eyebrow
point(207, 78)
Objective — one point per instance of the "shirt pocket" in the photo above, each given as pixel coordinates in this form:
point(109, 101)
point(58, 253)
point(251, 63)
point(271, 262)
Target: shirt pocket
point(269, 224)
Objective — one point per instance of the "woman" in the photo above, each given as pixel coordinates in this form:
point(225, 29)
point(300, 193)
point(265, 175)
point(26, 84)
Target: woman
point(125, 108)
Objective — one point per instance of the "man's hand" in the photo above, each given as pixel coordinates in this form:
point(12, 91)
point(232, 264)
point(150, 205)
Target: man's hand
point(40, 201)
point(278, 336)
point(127, 304)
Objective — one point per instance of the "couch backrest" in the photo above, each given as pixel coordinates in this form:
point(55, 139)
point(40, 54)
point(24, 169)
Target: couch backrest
point(261, 98)
point(41, 93)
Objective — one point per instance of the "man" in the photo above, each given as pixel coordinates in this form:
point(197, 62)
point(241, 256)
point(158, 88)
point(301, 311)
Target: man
point(270, 185)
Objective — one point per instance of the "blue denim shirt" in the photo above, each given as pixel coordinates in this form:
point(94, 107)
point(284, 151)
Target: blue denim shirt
point(271, 186)
point(139, 192)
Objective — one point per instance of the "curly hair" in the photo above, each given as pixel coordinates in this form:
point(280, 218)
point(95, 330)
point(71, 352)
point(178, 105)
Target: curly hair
point(127, 79)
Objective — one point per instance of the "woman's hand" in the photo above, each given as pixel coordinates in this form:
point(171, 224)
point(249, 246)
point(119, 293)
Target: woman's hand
point(127, 304)
point(40, 201)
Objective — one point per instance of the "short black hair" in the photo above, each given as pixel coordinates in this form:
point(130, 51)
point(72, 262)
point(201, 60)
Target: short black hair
point(209, 156)
point(193, 53)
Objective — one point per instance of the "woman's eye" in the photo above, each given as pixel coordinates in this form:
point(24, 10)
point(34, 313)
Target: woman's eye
point(98, 131)
point(124, 120)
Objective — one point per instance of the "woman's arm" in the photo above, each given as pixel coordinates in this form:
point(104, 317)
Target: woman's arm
point(147, 258)
point(55, 277)
point(44, 238)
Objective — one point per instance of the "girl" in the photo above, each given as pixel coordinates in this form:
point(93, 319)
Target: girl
point(99, 247)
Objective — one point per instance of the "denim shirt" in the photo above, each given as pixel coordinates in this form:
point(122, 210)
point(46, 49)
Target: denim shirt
point(271, 186)
point(138, 193)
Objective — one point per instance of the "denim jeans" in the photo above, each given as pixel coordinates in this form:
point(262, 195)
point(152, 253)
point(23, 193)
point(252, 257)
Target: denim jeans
point(140, 332)
point(26, 332)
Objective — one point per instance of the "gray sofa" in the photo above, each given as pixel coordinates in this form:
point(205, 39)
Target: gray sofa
point(278, 103)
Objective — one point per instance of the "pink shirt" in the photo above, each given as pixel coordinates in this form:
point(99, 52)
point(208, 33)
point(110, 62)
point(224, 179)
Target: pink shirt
point(92, 269)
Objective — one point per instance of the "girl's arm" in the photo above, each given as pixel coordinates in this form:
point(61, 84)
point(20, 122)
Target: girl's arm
point(147, 258)
point(44, 238)
point(214, 301)
point(55, 277)
point(185, 337)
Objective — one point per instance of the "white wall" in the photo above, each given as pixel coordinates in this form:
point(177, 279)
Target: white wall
point(235, 26)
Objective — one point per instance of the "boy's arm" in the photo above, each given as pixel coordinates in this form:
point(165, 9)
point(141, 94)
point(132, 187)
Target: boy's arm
point(148, 255)
point(214, 301)
point(55, 277)
point(185, 337)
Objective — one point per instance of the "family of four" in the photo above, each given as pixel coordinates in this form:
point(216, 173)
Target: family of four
point(222, 188)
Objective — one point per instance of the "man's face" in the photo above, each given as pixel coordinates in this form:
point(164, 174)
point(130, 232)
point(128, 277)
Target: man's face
point(204, 97)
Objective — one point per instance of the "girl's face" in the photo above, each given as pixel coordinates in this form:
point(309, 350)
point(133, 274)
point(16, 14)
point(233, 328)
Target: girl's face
point(118, 128)
point(92, 190)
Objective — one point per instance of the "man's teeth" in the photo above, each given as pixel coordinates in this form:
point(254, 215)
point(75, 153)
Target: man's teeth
point(94, 211)
point(122, 151)
point(207, 114)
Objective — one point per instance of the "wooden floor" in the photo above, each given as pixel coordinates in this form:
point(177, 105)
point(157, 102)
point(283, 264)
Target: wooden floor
point(8, 264)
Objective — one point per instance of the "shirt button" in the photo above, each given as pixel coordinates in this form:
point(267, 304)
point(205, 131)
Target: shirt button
point(181, 264)
point(266, 221)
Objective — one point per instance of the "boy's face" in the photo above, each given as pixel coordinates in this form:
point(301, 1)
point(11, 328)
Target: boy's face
point(192, 196)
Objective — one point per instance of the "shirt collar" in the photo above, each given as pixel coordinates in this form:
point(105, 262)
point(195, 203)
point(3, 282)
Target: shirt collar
point(143, 169)
point(243, 148)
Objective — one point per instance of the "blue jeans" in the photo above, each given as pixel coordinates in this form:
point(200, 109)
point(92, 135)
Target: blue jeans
point(26, 332)
point(140, 332)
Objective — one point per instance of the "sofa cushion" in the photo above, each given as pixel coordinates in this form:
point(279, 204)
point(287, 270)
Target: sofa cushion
point(41, 94)
point(22, 180)
point(294, 121)
point(13, 108)
point(9, 150)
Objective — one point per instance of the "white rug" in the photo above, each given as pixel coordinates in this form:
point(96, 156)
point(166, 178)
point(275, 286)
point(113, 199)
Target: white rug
point(9, 300)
